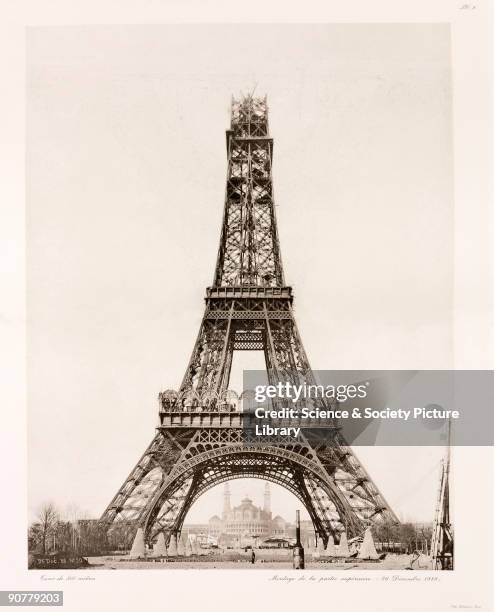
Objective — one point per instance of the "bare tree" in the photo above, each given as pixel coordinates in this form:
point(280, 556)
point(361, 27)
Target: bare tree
point(34, 537)
point(73, 514)
point(47, 521)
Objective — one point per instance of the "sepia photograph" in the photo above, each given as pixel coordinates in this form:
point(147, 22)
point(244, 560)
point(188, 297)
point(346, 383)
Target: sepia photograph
point(140, 326)
point(248, 306)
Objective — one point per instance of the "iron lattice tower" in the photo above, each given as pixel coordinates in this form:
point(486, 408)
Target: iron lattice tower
point(201, 439)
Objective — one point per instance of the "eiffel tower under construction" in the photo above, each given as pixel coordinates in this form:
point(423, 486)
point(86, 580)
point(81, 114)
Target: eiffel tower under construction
point(201, 439)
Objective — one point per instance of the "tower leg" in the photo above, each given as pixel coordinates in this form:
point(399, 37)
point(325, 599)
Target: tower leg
point(138, 548)
point(172, 546)
point(160, 550)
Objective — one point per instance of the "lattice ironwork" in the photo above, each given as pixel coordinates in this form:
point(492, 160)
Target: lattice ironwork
point(201, 440)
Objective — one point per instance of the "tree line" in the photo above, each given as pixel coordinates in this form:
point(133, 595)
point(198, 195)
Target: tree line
point(74, 532)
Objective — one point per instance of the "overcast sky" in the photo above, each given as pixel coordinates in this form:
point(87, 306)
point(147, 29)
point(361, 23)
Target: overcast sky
point(126, 176)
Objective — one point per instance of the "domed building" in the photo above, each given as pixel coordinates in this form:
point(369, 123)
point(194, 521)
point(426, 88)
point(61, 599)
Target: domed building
point(246, 524)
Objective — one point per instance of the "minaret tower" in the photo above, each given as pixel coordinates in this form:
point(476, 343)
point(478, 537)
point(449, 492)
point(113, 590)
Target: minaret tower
point(267, 499)
point(226, 501)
